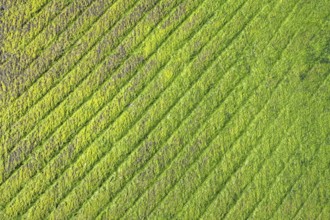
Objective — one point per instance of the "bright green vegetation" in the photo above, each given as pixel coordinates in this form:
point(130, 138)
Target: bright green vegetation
point(165, 109)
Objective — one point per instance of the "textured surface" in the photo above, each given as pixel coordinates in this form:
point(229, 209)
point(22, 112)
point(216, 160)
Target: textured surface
point(165, 109)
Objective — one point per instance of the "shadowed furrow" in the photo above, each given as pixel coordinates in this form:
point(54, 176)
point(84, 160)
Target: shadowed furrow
point(164, 109)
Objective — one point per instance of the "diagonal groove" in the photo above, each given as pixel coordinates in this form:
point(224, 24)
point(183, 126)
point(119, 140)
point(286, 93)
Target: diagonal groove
point(215, 166)
point(291, 187)
point(124, 109)
point(173, 186)
point(226, 47)
point(265, 159)
point(242, 162)
point(315, 187)
point(73, 67)
point(99, 110)
point(104, 129)
point(63, 98)
point(37, 12)
point(100, 134)
point(174, 131)
point(309, 70)
point(67, 95)
point(166, 113)
point(33, 15)
point(303, 203)
point(238, 167)
point(282, 23)
point(207, 92)
point(138, 109)
point(38, 55)
point(47, 47)
point(236, 139)
point(74, 110)
point(69, 49)
point(76, 17)
point(139, 142)
point(321, 212)
point(259, 168)
point(72, 113)
point(68, 3)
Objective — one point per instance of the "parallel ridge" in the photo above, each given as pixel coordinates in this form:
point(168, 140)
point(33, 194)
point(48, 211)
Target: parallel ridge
point(165, 109)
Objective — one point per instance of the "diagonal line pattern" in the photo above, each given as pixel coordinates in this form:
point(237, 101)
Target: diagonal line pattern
point(257, 204)
point(68, 50)
point(85, 77)
point(77, 108)
point(37, 12)
point(137, 120)
point(65, 99)
point(64, 121)
point(141, 119)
